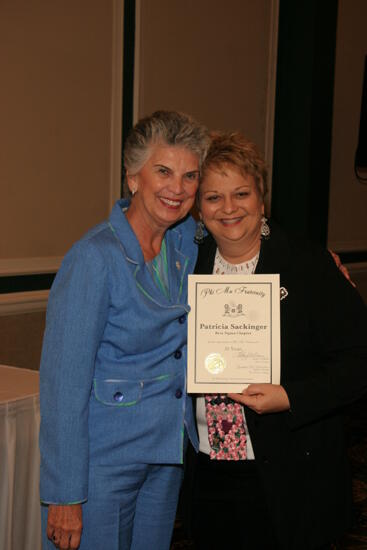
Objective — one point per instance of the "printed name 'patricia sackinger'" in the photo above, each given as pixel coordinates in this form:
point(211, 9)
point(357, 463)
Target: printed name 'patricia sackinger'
point(231, 326)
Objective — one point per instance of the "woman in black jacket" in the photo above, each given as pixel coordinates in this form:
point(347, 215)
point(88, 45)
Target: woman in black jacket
point(289, 487)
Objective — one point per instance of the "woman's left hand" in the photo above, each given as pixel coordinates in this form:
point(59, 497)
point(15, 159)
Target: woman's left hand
point(64, 525)
point(263, 398)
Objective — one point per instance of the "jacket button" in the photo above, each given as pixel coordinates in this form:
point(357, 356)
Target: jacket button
point(178, 354)
point(178, 394)
point(182, 319)
point(118, 396)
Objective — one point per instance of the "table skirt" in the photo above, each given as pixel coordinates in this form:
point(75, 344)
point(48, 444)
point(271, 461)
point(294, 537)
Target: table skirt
point(20, 523)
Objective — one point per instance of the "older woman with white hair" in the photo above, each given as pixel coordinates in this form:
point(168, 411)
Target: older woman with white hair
point(115, 416)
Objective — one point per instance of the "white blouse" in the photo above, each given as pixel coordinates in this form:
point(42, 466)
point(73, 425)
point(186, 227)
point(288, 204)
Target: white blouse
point(222, 267)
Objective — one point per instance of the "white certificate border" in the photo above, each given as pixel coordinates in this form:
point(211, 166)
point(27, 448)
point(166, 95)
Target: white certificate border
point(274, 296)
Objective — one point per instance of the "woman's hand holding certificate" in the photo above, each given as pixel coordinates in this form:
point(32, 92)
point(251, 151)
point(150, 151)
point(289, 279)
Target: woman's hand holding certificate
point(263, 398)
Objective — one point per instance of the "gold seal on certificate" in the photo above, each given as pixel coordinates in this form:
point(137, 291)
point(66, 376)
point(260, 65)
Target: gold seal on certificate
point(233, 332)
point(215, 363)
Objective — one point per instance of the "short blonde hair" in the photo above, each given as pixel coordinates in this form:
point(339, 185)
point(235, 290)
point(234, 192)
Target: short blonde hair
point(234, 150)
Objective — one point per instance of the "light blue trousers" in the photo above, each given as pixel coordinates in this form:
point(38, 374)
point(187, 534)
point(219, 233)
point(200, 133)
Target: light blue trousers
point(129, 508)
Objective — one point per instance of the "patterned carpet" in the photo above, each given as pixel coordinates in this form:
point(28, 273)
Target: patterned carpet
point(357, 444)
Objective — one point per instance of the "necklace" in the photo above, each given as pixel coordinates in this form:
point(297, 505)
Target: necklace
point(222, 267)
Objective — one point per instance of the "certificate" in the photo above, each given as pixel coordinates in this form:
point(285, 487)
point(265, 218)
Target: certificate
point(233, 332)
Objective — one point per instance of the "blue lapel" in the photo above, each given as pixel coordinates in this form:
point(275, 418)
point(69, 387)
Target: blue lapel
point(177, 261)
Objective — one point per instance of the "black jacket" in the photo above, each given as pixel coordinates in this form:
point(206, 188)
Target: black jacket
point(301, 455)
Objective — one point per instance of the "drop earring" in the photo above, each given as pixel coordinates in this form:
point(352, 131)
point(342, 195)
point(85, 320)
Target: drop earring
point(199, 233)
point(265, 229)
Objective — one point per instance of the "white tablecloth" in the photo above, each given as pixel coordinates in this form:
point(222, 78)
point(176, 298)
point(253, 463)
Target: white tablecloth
point(20, 516)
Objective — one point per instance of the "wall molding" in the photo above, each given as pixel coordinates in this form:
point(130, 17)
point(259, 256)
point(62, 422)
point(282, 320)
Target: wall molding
point(116, 101)
point(30, 266)
point(136, 88)
point(271, 94)
point(18, 303)
point(348, 246)
point(360, 267)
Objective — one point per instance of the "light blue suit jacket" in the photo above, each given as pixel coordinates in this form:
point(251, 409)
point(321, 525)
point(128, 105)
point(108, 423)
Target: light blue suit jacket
point(113, 369)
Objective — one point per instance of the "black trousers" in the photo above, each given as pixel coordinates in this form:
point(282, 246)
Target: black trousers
point(229, 508)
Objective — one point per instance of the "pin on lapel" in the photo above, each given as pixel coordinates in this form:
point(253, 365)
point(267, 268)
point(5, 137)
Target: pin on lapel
point(283, 292)
point(178, 265)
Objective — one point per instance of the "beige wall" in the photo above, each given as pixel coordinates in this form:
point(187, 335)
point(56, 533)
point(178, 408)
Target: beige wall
point(348, 197)
point(213, 59)
point(60, 133)
point(60, 145)
point(59, 91)
point(21, 339)
point(60, 137)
